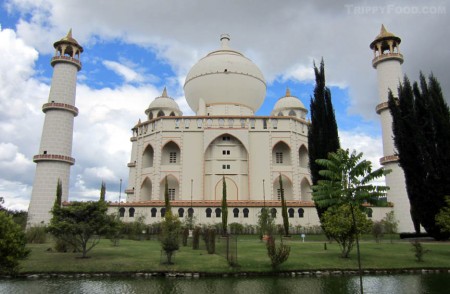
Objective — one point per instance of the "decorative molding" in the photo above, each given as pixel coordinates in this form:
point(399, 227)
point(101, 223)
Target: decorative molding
point(56, 59)
point(54, 157)
point(60, 106)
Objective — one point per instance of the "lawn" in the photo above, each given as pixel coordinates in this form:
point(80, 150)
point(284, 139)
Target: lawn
point(145, 256)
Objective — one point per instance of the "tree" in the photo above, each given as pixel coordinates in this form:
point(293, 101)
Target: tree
point(166, 197)
point(348, 180)
point(224, 207)
point(80, 223)
point(443, 217)
point(284, 209)
point(390, 224)
point(170, 238)
point(277, 254)
point(266, 223)
point(323, 135)
point(102, 191)
point(421, 124)
point(12, 244)
point(338, 222)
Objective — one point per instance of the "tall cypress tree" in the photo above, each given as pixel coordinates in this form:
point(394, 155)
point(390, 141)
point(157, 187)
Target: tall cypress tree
point(102, 191)
point(421, 126)
point(323, 135)
point(224, 207)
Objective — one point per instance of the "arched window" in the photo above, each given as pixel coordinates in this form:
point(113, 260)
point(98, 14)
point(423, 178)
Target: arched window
point(245, 211)
point(172, 114)
point(291, 112)
point(291, 212)
point(236, 212)
point(300, 212)
point(273, 212)
point(208, 212)
point(147, 159)
point(369, 212)
point(163, 212)
point(150, 115)
point(131, 212)
point(121, 212)
point(280, 113)
point(218, 212)
point(191, 212)
point(154, 211)
point(180, 212)
point(160, 113)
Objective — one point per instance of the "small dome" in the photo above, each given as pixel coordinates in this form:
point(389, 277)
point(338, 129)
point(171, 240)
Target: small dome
point(225, 76)
point(287, 103)
point(165, 104)
point(384, 35)
point(68, 39)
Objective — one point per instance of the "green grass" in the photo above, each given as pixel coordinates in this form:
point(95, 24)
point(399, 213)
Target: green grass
point(145, 256)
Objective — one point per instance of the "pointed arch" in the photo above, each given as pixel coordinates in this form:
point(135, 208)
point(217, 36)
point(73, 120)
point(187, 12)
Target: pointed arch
point(174, 188)
point(146, 190)
point(305, 188)
point(147, 157)
point(170, 154)
point(292, 113)
point(281, 154)
point(232, 189)
point(303, 156)
point(172, 114)
point(160, 113)
point(287, 188)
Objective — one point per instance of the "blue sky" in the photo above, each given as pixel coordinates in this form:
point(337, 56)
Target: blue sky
point(133, 49)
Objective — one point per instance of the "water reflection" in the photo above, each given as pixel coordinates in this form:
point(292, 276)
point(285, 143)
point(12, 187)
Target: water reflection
point(411, 284)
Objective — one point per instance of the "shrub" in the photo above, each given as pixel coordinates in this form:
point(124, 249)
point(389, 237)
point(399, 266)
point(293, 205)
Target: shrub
point(209, 236)
point(277, 255)
point(196, 238)
point(419, 250)
point(185, 236)
point(170, 235)
point(12, 245)
point(36, 235)
point(236, 228)
point(377, 230)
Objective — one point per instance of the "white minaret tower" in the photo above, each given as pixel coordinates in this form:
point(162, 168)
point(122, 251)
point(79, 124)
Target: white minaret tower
point(387, 61)
point(54, 159)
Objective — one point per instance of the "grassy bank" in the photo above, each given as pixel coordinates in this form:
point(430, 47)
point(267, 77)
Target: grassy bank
point(145, 256)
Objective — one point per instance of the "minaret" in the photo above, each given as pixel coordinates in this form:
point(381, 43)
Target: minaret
point(55, 152)
point(387, 61)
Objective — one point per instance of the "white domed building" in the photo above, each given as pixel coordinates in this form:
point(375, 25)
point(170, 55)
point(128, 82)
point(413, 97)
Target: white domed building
point(223, 140)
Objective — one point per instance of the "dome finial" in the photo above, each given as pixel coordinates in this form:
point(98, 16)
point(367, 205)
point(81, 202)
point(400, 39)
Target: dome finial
point(288, 92)
point(69, 34)
point(224, 39)
point(164, 93)
point(383, 29)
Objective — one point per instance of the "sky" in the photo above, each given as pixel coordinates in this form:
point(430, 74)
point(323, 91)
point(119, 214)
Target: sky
point(133, 49)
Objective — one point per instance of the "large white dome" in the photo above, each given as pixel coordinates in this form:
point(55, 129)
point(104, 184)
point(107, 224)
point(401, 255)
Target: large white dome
point(225, 76)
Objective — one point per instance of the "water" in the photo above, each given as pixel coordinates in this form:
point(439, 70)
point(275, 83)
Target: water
point(411, 284)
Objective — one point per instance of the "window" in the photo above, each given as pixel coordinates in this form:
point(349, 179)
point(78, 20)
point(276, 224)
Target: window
point(226, 138)
point(180, 212)
point(187, 122)
point(172, 114)
point(191, 212)
point(280, 113)
point(292, 113)
point(218, 212)
point(264, 123)
point(236, 212)
point(252, 123)
point(160, 113)
point(300, 212)
point(275, 123)
point(279, 157)
point(171, 194)
point(242, 123)
point(172, 157)
point(369, 212)
point(154, 211)
point(177, 123)
point(199, 123)
point(208, 212)
point(121, 212)
point(226, 166)
point(131, 212)
point(209, 122)
point(273, 212)
point(226, 152)
point(230, 122)
point(163, 212)
point(279, 191)
point(291, 212)
point(221, 122)
point(245, 211)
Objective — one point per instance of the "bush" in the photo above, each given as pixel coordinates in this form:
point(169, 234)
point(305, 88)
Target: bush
point(377, 230)
point(185, 236)
point(196, 238)
point(236, 228)
point(63, 246)
point(170, 235)
point(12, 245)
point(36, 235)
point(277, 255)
point(418, 250)
point(209, 236)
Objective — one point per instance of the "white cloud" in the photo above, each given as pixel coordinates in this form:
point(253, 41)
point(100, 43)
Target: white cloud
point(372, 147)
point(127, 73)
